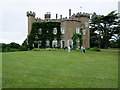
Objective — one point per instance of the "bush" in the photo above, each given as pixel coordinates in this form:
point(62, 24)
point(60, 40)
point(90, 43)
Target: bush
point(22, 48)
point(37, 49)
point(13, 49)
point(95, 49)
point(7, 49)
point(114, 44)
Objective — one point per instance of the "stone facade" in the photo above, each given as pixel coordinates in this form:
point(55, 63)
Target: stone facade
point(69, 26)
point(119, 8)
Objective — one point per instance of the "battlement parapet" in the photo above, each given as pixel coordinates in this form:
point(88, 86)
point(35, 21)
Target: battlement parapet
point(30, 13)
point(69, 19)
point(38, 19)
point(46, 20)
point(80, 14)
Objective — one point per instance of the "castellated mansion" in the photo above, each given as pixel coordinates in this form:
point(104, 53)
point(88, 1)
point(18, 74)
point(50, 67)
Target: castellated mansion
point(58, 32)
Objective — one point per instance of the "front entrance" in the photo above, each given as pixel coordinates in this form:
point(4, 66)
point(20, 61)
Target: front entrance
point(62, 43)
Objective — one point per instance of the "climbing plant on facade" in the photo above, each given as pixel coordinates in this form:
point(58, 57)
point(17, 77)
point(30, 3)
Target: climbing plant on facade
point(77, 36)
point(43, 31)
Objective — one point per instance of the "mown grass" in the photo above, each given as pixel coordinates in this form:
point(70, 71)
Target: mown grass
point(0, 70)
point(60, 69)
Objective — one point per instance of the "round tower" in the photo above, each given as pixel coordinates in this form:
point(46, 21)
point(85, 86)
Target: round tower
point(84, 18)
point(31, 20)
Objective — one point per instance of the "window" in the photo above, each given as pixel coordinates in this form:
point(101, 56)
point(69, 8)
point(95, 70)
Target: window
point(36, 37)
point(86, 24)
point(77, 30)
point(84, 31)
point(62, 30)
point(62, 43)
point(47, 43)
point(40, 31)
point(54, 31)
point(54, 43)
point(39, 44)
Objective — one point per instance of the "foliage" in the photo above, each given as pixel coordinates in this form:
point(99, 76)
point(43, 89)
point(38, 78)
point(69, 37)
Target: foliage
point(46, 34)
point(23, 48)
point(75, 37)
point(25, 43)
point(94, 39)
point(74, 40)
point(114, 44)
point(2, 47)
point(95, 49)
point(12, 47)
point(106, 27)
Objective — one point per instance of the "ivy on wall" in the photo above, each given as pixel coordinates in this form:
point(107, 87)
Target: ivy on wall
point(77, 36)
point(46, 33)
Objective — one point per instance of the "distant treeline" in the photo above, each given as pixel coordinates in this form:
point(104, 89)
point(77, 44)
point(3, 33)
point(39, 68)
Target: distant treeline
point(12, 47)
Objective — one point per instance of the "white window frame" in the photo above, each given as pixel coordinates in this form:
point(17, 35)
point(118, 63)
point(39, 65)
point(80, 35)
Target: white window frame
point(77, 30)
point(62, 30)
point(55, 31)
point(54, 42)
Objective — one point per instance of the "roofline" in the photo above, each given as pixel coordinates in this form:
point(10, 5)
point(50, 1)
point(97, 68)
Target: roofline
point(70, 20)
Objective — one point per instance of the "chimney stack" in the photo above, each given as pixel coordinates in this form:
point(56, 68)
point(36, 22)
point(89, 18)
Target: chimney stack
point(69, 12)
point(56, 16)
point(60, 16)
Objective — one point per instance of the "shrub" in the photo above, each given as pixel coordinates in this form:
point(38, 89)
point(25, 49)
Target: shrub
point(95, 49)
point(37, 49)
point(22, 48)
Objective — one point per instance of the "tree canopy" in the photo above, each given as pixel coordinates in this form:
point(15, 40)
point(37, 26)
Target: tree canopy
point(104, 28)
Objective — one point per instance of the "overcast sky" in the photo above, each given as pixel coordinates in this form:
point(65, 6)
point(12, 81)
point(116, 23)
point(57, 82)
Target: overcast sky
point(13, 20)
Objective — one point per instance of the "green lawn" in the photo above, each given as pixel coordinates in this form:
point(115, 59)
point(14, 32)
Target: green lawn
point(0, 70)
point(60, 69)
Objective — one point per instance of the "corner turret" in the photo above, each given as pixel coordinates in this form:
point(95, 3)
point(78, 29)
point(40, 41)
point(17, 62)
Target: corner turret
point(31, 20)
point(30, 13)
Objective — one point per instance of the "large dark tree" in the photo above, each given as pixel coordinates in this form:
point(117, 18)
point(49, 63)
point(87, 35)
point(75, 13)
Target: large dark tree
point(105, 27)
